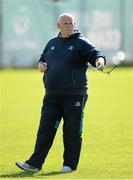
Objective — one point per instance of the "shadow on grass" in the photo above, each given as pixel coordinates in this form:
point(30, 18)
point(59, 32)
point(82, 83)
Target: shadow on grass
point(29, 174)
point(54, 173)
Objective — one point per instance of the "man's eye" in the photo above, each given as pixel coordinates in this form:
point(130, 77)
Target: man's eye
point(68, 23)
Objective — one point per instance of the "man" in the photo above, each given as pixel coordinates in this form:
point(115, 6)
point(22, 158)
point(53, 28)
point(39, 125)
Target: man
point(64, 63)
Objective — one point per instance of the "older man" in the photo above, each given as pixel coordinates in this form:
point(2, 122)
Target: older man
point(64, 63)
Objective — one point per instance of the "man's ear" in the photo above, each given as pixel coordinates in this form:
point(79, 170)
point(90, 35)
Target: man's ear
point(74, 23)
point(58, 25)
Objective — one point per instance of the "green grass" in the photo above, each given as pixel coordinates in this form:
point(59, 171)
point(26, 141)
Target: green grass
point(107, 151)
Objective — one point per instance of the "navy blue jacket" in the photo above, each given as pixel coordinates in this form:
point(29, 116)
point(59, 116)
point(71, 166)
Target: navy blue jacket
point(67, 60)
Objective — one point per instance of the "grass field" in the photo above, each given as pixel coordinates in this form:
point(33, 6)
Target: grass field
point(107, 151)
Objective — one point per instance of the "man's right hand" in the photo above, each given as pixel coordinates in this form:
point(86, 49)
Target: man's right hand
point(42, 67)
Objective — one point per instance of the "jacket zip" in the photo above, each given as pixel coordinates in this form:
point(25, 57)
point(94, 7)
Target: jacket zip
point(73, 77)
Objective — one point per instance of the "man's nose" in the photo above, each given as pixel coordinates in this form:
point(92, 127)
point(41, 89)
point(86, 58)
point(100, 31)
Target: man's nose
point(68, 25)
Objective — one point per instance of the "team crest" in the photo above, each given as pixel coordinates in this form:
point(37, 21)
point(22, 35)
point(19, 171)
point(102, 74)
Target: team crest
point(52, 48)
point(70, 47)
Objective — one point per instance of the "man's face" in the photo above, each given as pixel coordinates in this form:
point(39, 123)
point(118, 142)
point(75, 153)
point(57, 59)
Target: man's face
point(66, 26)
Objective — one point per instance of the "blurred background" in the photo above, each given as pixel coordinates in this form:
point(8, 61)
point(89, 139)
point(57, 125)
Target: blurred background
point(27, 25)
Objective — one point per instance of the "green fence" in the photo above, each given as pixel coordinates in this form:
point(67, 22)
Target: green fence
point(27, 25)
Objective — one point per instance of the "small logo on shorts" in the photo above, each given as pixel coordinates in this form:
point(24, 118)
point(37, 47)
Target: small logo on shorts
point(77, 104)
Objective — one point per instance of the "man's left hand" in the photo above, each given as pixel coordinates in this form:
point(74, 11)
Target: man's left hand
point(100, 63)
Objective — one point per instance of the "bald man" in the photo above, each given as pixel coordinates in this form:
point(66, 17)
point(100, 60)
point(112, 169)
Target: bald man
point(64, 63)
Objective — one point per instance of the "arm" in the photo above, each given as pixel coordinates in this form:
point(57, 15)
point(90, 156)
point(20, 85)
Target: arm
point(100, 63)
point(92, 55)
point(42, 66)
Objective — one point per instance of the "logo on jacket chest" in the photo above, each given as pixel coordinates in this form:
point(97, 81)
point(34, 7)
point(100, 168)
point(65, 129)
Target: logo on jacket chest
point(70, 47)
point(52, 48)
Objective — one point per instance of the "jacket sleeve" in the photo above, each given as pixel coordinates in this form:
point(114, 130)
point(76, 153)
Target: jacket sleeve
point(89, 52)
point(42, 57)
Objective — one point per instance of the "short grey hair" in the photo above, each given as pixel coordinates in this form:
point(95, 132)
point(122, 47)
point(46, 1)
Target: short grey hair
point(66, 14)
